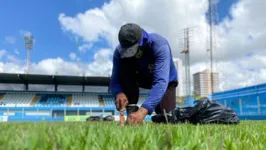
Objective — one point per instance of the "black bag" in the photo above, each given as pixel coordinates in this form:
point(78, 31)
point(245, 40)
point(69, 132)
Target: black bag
point(93, 118)
point(204, 112)
point(108, 118)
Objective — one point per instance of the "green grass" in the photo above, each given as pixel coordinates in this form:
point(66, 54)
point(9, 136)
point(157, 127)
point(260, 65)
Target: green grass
point(87, 135)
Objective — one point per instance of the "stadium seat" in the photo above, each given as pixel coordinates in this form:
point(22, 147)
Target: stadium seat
point(52, 101)
point(85, 100)
point(17, 100)
point(108, 101)
point(142, 98)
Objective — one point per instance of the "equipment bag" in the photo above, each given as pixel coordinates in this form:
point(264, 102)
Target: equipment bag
point(93, 118)
point(204, 112)
point(108, 118)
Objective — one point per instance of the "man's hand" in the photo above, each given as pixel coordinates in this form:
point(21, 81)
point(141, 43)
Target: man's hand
point(121, 101)
point(137, 117)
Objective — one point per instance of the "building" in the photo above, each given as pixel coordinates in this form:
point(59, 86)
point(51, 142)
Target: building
point(179, 68)
point(202, 83)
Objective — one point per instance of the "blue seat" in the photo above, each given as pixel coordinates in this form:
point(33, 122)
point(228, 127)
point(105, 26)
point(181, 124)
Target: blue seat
point(51, 101)
point(108, 101)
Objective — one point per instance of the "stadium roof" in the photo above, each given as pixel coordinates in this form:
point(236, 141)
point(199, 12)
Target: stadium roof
point(8, 78)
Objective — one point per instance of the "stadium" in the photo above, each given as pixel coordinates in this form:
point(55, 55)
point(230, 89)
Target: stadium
point(56, 105)
point(25, 115)
point(62, 99)
point(31, 105)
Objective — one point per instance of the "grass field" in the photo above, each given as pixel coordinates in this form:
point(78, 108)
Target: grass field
point(248, 135)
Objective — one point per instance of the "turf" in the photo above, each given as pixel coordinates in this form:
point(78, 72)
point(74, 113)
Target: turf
point(92, 135)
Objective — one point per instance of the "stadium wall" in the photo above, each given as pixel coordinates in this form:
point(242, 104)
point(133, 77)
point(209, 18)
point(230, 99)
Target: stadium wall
point(34, 111)
point(52, 114)
point(249, 102)
point(34, 114)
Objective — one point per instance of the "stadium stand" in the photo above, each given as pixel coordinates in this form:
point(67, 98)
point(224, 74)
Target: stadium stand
point(52, 101)
point(17, 99)
point(35, 99)
point(93, 100)
point(85, 100)
point(109, 100)
point(25, 105)
point(141, 99)
point(101, 101)
point(69, 100)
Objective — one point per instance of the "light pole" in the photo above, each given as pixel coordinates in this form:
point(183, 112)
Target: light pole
point(28, 39)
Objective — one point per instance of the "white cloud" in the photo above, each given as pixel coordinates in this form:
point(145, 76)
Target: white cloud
point(16, 51)
point(236, 38)
point(56, 65)
point(2, 53)
point(101, 66)
point(98, 24)
point(72, 56)
point(25, 33)
point(85, 47)
point(234, 74)
point(10, 58)
point(91, 25)
point(13, 59)
point(10, 39)
point(233, 37)
point(246, 32)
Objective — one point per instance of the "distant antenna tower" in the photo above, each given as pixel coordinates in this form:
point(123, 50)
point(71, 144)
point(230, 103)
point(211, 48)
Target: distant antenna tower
point(213, 16)
point(28, 39)
point(185, 42)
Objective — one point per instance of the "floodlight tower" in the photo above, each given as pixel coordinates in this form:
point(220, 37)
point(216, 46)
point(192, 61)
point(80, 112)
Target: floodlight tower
point(28, 39)
point(185, 42)
point(213, 18)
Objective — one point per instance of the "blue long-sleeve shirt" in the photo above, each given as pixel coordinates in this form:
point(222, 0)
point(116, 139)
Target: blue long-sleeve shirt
point(154, 64)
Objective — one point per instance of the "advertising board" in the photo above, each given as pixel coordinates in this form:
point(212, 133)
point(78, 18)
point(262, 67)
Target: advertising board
point(76, 118)
point(3, 118)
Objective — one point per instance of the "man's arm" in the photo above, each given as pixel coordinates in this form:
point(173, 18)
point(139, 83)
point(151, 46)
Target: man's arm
point(115, 86)
point(161, 78)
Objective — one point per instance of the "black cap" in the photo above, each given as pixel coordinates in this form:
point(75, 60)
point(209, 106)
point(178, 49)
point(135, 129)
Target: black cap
point(129, 37)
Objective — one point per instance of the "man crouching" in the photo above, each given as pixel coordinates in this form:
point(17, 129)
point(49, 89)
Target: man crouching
point(143, 60)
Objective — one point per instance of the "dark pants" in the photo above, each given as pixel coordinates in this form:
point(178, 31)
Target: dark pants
point(130, 84)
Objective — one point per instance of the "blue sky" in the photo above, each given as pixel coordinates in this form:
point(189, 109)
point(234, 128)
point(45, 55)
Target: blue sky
point(41, 19)
point(223, 8)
